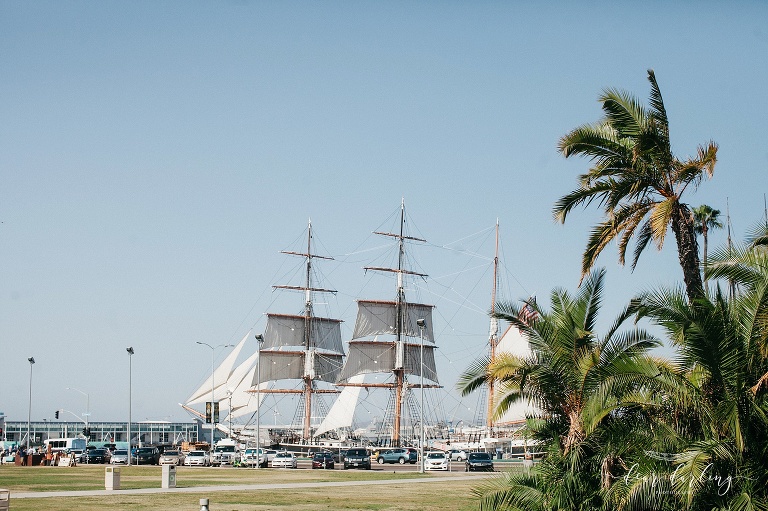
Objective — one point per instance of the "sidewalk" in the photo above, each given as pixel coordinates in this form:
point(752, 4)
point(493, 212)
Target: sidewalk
point(243, 487)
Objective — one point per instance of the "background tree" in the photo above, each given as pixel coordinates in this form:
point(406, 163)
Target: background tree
point(637, 180)
point(704, 219)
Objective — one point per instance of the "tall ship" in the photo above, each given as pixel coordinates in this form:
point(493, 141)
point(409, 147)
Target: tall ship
point(301, 354)
point(393, 339)
point(298, 355)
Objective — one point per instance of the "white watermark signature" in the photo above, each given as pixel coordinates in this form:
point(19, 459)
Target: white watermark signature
point(722, 482)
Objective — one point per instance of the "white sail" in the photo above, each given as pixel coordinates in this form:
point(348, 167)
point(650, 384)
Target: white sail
point(379, 317)
point(287, 365)
point(220, 377)
point(289, 330)
point(342, 412)
point(512, 342)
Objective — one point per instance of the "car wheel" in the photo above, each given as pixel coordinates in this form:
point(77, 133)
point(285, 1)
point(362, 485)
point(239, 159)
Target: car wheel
point(381, 461)
point(401, 461)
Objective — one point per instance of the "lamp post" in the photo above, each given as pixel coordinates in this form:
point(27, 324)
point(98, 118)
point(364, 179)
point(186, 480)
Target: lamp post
point(87, 412)
point(229, 415)
point(213, 370)
point(31, 361)
point(129, 349)
point(422, 324)
point(260, 340)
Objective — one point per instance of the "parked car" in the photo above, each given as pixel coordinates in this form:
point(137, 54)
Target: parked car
point(401, 456)
point(457, 454)
point(96, 456)
point(145, 456)
point(284, 460)
point(436, 460)
point(172, 458)
point(251, 459)
point(357, 458)
point(323, 460)
point(478, 461)
point(197, 458)
point(119, 457)
point(224, 455)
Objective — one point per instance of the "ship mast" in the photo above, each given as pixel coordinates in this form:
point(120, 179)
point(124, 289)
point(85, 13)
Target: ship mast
point(399, 369)
point(398, 356)
point(494, 331)
point(308, 344)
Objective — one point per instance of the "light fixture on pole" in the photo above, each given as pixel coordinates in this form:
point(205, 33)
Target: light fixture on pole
point(213, 386)
point(129, 349)
point(260, 340)
point(87, 411)
point(422, 323)
point(31, 361)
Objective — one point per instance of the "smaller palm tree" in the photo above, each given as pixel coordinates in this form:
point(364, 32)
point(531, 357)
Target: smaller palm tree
point(704, 219)
point(578, 380)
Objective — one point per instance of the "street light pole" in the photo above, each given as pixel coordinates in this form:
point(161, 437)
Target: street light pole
point(129, 349)
point(87, 412)
point(213, 386)
point(421, 322)
point(260, 340)
point(31, 361)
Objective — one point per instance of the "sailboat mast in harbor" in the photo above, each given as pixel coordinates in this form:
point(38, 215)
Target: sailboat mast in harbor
point(302, 347)
point(493, 339)
point(399, 354)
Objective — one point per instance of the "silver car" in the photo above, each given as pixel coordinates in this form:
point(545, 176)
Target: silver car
point(119, 457)
point(172, 458)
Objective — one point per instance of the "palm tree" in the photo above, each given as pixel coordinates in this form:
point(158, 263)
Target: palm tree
point(637, 180)
point(577, 380)
point(704, 219)
point(720, 347)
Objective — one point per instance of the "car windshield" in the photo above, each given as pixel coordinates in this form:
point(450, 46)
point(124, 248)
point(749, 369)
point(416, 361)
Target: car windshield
point(197, 453)
point(356, 452)
point(282, 455)
point(436, 455)
point(97, 452)
point(479, 456)
point(171, 453)
point(121, 452)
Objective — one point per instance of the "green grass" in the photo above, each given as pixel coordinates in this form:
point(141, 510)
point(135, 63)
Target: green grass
point(432, 496)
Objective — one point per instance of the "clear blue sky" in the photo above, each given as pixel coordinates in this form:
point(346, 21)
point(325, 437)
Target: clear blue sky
point(156, 156)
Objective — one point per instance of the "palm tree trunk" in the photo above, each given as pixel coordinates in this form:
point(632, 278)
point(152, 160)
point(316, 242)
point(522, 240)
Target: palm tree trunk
point(687, 251)
point(704, 230)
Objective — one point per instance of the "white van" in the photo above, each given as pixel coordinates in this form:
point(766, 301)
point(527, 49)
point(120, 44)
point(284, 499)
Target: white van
point(64, 444)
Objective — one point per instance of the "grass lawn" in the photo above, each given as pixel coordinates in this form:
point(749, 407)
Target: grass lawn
point(433, 496)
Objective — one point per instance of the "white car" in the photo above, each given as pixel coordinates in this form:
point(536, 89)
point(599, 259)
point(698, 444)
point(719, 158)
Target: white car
point(197, 458)
point(457, 455)
point(284, 460)
point(251, 459)
point(436, 461)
